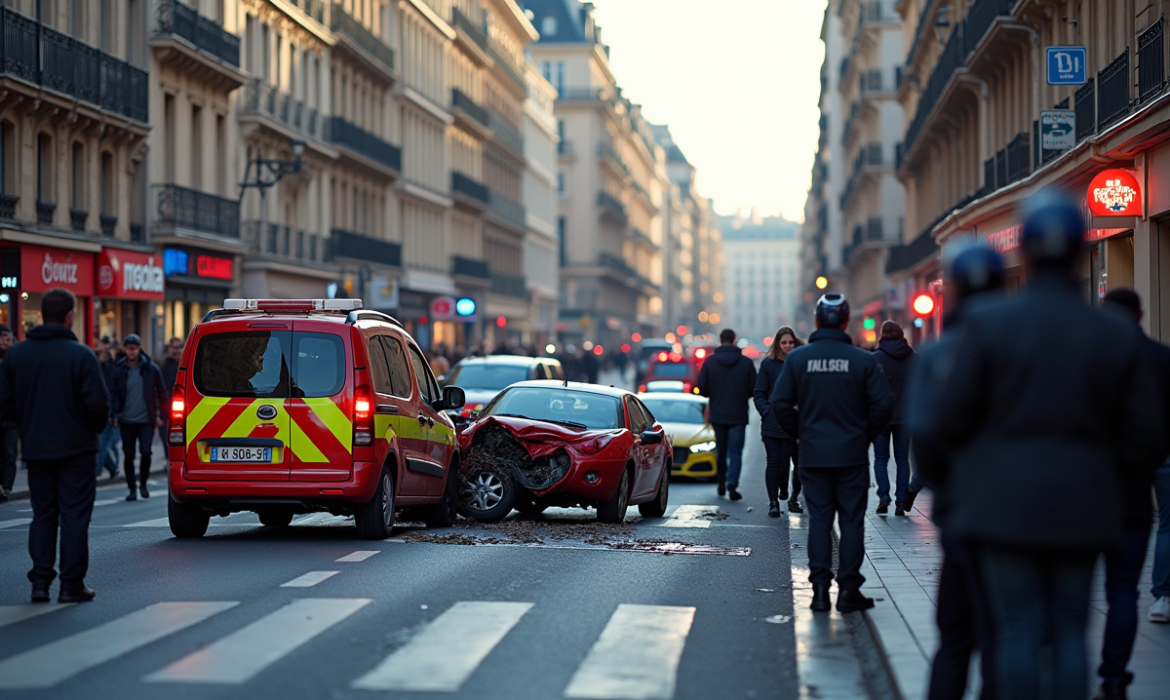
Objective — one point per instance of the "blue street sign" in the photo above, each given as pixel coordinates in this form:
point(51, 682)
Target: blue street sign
point(1067, 65)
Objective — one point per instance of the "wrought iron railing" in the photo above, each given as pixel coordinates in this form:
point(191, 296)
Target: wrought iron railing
point(617, 263)
point(470, 267)
point(952, 58)
point(1001, 169)
point(1151, 56)
point(462, 21)
point(45, 212)
point(286, 243)
point(468, 186)
point(508, 285)
point(1113, 91)
point(988, 176)
point(313, 8)
point(78, 217)
point(506, 209)
point(8, 205)
point(612, 205)
point(137, 233)
point(340, 21)
point(642, 238)
point(107, 222)
point(463, 101)
point(179, 207)
point(1018, 164)
point(349, 244)
point(262, 98)
point(506, 132)
point(44, 56)
point(982, 15)
point(181, 20)
point(504, 62)
point(1085, 105)
point(606, 151)
point(352, 136)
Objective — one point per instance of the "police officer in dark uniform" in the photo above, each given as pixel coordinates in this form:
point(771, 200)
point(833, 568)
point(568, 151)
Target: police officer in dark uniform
point(845, 403)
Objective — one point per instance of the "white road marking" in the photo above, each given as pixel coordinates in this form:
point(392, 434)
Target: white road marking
point(12, 614)
point(17, 522)
point(690, 516)
point(157, 522)
point(360, 555)
point(445, 654)
point(106, 502)
point(48, 665)
point(238, 657)
point(637, 655)
point(310, 579)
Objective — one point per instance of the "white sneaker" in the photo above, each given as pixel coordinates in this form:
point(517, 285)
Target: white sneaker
point(1160, 610)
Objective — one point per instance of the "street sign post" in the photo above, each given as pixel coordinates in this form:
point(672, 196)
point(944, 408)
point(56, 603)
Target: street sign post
point(1067, 65)
point(1058, 129)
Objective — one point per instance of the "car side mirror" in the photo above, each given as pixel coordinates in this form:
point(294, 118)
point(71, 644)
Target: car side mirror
point(650, 437)
point(453, 397)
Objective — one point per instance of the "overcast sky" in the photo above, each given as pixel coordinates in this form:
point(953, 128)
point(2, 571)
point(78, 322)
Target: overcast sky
point(736, 80)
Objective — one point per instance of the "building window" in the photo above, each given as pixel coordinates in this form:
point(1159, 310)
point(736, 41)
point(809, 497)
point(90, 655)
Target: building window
point(548, 26)
point(560, 181)
point(7, 158)
point(78, 201)
point(197, 147)
point(169, 138)
point(44, 168)
point(108, 183)
point(554, 72)
point(562, 256)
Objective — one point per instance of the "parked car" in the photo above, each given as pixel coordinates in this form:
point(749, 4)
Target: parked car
point(483, 378)
point(547, 443)
point(685, 418)
point(294, 406)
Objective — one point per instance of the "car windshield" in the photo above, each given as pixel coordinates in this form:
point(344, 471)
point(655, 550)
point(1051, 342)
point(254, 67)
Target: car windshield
point(486, 376)
point(565, 406)
point(675, 410)
point(670, 369)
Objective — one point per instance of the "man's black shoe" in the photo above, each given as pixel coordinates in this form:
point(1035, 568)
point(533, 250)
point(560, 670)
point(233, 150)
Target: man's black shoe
point(908, 504)
point(40, 593)
point(883, 506)
point(133, 495)
point(852, 600)
point(733, 494)
point(773, 509)
point(1111, 691)
point(794, 505)
point(721, 489)
point(899, 508)
point(76, 594)
point(143, 491)
point(820, 601)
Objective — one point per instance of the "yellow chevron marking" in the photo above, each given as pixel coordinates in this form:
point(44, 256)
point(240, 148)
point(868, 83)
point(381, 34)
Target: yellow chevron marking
point(334, 419)
point(201, 415)
point(304, 448)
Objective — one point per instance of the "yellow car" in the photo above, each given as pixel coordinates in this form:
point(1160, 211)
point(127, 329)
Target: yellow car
point(684, 417)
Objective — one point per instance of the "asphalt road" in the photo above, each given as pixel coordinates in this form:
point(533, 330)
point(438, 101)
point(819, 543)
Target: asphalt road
point(444, 613)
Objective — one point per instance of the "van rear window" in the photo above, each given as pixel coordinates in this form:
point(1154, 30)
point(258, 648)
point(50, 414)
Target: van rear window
point(676, 370)
point(270, 365)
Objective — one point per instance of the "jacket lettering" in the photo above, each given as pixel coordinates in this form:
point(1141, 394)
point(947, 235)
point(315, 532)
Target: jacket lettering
point(841, 366)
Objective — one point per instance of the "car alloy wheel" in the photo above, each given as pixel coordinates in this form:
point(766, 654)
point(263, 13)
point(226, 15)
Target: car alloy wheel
point(487, 490)
point(387, 500)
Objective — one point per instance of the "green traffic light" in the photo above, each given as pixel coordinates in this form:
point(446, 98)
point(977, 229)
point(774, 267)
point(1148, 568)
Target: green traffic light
point(869, 324)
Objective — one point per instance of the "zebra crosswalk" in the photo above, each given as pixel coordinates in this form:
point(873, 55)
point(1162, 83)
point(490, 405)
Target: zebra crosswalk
point(636, 657)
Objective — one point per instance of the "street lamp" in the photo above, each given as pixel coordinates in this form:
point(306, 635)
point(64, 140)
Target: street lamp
point(274, 168)
point(942, 26)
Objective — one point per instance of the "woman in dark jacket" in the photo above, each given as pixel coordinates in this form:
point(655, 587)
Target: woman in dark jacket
point(897, 361)
point(780, 448)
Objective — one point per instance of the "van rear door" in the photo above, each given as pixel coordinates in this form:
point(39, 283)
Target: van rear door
point(321, 404)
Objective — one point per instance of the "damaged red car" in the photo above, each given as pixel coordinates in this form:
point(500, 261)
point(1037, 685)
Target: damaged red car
point(546, 443)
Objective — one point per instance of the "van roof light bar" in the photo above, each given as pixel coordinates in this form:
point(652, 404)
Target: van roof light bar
point(292, 305)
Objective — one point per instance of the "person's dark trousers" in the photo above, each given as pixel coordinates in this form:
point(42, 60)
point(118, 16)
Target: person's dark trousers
point(881, 462)
point(1161, 577)
point(839, 491)
point(729, 441)
point(163, 429)
point(1123, 568)
point(1037, 599)
point(143, 435)
point(8, 440)
point(780, 453)
point(961, 628)
point(61, 493)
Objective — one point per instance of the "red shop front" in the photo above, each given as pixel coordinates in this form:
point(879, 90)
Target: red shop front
point(129, 296)
point(42, 269)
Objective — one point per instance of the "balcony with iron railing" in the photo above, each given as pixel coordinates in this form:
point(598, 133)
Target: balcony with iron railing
point(507, 210)
point(610, 157)
point(639, 236)
point(509, 285)
point(1113, 82)
point(506, 132)
point(507, 66)
point(363, 143)
point(183, 21)
point(469, 188)
point(618, 265)
point(868, 158)
point(474, 32)
point(286, 244)
point(358, 246)
point(1151, 56)
point(342, 23)
point(314, 9)
point(43, 56)
point(264, 100)
point(612, 207)
point(462, 101)
point(470, 267)
point(178, 209)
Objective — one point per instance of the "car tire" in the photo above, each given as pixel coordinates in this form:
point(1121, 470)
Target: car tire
point(276, 518)
point(442, 514)
point(613, 511)
point(489, 496)
point(657, 507)
point(529, 505)
point(375, 519)
point(187, 520)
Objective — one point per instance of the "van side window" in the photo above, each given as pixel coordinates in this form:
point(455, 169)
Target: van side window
point(420, 373)
point(380, 367)
point(399, 369)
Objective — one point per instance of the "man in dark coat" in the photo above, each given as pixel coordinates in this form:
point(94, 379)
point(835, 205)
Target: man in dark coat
point(845, 403)
point(51, 385)
point(896, 358)
point(728, 379)
point(1045, 431)
point(139, 403)
point(8, 434)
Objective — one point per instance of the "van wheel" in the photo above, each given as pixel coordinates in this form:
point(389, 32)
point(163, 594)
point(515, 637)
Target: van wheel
point(188, 521)
point(488, 496)
point(442, 514)
point(375, 519)
point(276, 518)
point(657, 507)
point(613, 511)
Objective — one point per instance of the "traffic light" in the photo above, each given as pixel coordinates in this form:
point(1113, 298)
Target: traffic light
point(869, 323)
point(923, 304)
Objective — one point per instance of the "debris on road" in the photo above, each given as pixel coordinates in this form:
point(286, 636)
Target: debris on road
point(778, 619)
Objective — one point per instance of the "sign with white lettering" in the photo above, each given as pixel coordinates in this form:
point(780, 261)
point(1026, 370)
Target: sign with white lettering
point(1067, 65)
point(125, 274)
point(823, 366)
point(10, 268)
point(43, 269)
point(1058, 129)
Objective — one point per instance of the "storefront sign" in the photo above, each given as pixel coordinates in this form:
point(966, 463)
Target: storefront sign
point(1058, 129)
point(442, 308)
point(1006, 240)
point(383, 292)
point(43, 269)
point(10, 268)
point(213, 267)
point(1115, 193)
point(181, 262)
point(128, 275)
point(174, 261)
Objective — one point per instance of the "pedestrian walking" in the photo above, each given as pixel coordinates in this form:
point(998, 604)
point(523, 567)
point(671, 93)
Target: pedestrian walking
point(973, 271)
point(139, 402)
point(52, 387)
point(109, 438)
point(896, 358)
point(780, 448)
point(1045, 429)
point(845, 403)
point(170, 374)
point(1123, 563)
point(728, 380)
point(8, 435)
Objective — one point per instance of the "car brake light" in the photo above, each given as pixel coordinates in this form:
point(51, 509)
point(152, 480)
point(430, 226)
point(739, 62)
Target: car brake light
point(686, 387)
point(662, 357)
point(363, 429)
point(178, 416)
point(700, 353)
point(641, 388)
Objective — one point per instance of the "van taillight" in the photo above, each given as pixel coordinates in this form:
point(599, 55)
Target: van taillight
point(178, 416)
point(363, 411)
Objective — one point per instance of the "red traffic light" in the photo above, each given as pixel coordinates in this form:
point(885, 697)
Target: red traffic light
point(923, 304)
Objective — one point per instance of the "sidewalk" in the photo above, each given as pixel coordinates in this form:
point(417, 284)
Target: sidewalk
point(903, 560)
point(158, 458)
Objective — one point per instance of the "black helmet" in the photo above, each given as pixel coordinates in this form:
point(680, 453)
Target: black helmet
point(832, 310)
point(1054, 229)
point(976, 268)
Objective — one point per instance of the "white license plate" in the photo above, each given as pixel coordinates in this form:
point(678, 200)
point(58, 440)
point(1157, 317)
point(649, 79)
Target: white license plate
point(241, 454)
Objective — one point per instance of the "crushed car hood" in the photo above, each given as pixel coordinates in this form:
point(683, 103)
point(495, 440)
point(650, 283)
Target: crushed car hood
point(541, 439)
point(687, 434)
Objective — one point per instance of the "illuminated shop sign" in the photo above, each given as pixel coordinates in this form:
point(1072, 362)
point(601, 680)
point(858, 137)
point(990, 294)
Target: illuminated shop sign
point(1115, 192)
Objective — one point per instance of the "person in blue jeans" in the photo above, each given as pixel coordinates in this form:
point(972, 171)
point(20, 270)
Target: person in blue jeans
point(896, 358)
point(728, 379)
point(138, 401)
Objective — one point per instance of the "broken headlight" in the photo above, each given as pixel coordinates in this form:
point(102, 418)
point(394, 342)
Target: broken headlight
point(703, 446)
